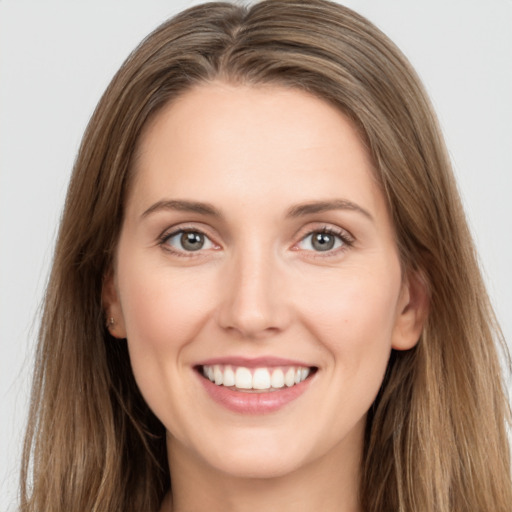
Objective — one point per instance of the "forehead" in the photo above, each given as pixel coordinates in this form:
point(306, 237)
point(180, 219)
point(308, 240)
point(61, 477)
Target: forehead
point(238, 141)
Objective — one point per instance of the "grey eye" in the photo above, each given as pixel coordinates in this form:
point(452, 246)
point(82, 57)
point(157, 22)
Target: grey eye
point(320, 241)
point(323, 241)
point(189, 241)
point(192, 241)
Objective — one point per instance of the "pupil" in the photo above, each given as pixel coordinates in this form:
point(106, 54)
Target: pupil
point(323, 242)
point(192, 241)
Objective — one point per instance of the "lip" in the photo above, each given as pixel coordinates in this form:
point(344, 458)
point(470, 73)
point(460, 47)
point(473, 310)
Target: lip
point(256, 362)
point(256, 403)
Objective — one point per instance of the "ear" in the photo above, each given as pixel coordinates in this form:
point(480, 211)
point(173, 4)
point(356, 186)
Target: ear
point(412, 312)
point(112, 306)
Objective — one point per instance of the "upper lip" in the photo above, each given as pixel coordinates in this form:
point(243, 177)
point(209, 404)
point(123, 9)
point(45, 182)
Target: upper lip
point(256, 362)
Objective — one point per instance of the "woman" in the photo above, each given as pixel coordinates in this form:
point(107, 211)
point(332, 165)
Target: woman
point(264, 292)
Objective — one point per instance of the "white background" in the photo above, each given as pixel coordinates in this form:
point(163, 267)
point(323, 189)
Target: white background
point(56, 58)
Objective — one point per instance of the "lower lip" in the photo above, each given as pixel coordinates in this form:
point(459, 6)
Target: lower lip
point(254, 402)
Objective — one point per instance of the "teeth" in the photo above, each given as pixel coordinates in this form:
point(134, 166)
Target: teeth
point(277, 380)
point(218, 375)
point(261, 379)
point(229, 376)
point(258, 378)
point(289, 377)
point(243, 378)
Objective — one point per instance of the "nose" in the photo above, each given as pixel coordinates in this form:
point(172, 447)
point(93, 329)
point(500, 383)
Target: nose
point(253, 296)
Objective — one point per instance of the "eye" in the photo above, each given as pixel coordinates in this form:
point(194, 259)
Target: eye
point(324, 240)
point(187, 241)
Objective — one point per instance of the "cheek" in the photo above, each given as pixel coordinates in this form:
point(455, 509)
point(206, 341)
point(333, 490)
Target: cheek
point(162, 308)
point(353, 315)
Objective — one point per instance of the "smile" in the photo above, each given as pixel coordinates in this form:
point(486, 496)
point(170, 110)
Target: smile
point(267, 379)
point(255, 386)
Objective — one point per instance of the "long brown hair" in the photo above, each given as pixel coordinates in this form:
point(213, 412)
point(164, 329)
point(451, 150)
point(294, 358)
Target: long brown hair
point(436, 437)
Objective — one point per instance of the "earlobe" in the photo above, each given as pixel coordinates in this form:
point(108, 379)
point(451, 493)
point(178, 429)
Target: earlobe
point(412, 312)
point(112, 306)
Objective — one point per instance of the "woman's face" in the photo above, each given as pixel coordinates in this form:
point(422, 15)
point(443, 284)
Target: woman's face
point(257, 251)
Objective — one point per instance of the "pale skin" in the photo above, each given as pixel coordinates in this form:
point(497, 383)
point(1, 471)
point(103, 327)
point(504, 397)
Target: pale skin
point(257, 159)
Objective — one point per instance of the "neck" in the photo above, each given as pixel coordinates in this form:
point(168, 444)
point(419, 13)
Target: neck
point(329, 483)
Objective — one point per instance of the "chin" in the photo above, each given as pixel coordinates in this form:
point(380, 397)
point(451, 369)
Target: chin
point(258, 458)
point(276, 466)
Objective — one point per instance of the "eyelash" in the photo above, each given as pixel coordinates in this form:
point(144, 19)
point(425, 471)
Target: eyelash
point(165, 237)
point(346, 239)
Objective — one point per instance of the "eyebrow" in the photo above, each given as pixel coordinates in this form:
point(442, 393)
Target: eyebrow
point(324, 206)
point(299, 210)
point(183, 206)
